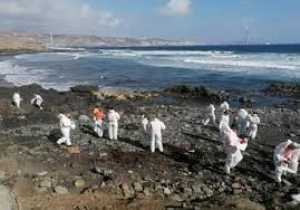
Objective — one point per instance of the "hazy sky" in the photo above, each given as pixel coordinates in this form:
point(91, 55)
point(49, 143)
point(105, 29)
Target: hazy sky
point(205, 21)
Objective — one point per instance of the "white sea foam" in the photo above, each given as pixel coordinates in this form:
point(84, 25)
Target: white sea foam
point(67, 48)
point(267, 65)
point(19, 75)
point(141, 53)
point(242, 63)
point(22, 75)
point(9, 68)
point(208, 58)
point(62, 86)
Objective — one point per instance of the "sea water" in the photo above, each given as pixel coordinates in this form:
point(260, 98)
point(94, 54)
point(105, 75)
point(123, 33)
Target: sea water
point(249, 67)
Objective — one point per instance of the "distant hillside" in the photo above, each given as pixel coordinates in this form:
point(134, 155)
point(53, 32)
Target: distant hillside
point(16, 42)
point(95, 41)
point(11, 42)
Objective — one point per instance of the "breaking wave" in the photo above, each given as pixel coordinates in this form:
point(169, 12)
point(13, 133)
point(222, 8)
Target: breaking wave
point(142, 53)
point(232, 63)
point(21, 75)
point(63, 69)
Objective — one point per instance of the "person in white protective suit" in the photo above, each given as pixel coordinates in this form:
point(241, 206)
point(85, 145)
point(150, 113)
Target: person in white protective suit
point(155, 128)
point(113, 124)
point(37, 101)
point(17, 100)
point(145, 122)
point(210, 116)
point(224, 106)
point(225, 120)
point(233, 146)
point(286, 158)
point(242, 122)
point(253, 127)
point(65, 124)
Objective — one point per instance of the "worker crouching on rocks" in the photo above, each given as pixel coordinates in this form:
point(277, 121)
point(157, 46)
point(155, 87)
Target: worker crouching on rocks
point(65, 124)
point(286, 159)
point(37, 101)
point(210, 115)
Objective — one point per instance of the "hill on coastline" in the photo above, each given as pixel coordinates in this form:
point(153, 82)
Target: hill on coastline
point(12, 42)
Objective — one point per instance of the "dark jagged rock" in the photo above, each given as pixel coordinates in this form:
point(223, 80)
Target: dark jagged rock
point(189, 172)
point(246, 102)
point(283, 89)
point(200, 92)
point(84, 89)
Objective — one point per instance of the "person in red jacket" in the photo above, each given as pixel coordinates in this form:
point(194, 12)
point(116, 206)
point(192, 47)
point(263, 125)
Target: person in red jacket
point(98, 119)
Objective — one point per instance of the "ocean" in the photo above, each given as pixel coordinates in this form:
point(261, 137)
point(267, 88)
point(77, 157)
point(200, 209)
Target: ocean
point(249, 67)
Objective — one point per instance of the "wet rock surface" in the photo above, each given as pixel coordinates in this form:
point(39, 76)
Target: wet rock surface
point(7, 199)
point(283, 89)
point(200, 92)
point(188, 175)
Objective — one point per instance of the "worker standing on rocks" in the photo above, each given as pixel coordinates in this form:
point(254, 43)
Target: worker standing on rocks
point(145, 122)
point(233, 146)
point(224, 107)
point(17, 100)
point(65, 124)
point(253, 127)
point(286, 158)
point(225, 120)
point(98, 120)
point(210, 115)
point(156, 127)
point(37, 101)
point(113, 124)
point(242, 123)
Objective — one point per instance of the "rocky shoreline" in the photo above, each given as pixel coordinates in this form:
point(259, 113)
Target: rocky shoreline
point(97, 173)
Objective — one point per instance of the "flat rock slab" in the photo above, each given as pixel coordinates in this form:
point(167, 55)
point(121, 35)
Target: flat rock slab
point(7, 199)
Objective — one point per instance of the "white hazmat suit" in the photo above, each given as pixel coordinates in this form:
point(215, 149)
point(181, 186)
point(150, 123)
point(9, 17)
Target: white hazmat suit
point(113, 124)
point(232, 147)
point(65, 125)
point(17, 100)
point(210, 116)
point(243, 122)
point(37, 101)
point(286, 158)
point(145, 122)
point(156, 127)
point(253, 127)
point(225, 120)
point(224, 106)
